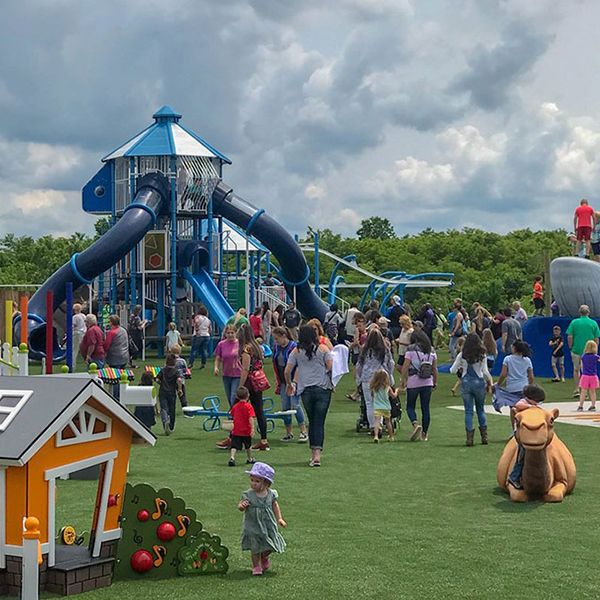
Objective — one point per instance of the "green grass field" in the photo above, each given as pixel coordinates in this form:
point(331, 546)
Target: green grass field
point(394, 520)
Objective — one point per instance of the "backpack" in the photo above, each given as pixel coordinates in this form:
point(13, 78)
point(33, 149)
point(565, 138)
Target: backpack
point(466, 326)
point(331, 329)
point(425, 370)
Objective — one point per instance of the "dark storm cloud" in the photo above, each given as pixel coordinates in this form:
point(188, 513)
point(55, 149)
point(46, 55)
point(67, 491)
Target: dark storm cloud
point(493, 71)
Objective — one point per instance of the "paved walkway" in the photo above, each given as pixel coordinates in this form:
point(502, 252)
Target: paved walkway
point(568, 413)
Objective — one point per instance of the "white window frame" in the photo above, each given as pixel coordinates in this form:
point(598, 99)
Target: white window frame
point(13, 410)
point(87, 434)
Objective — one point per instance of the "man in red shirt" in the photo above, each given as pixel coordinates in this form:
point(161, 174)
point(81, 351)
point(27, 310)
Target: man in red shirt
point(242, 414)
point(92, 345)
point(584, 221)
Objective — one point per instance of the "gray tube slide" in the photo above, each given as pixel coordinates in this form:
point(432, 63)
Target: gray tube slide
point(138, 218)
point(294, 269)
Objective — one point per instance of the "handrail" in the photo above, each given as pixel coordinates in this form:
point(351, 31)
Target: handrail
point(409, 280)
point(344, 304)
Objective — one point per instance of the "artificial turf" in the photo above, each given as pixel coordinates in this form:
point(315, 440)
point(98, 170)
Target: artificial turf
point(393, 520)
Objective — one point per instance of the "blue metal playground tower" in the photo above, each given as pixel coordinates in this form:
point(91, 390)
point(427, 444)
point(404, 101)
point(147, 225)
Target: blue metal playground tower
point(192, 168)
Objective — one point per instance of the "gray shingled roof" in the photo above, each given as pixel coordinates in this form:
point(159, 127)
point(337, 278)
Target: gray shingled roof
point(51, 397)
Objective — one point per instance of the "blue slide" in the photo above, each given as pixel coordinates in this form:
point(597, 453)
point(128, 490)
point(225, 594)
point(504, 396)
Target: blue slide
point(138, 218)
point(204, 287)
point(294, 270)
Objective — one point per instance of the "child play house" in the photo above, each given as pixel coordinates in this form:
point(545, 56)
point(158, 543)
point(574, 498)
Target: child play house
point(51, 427)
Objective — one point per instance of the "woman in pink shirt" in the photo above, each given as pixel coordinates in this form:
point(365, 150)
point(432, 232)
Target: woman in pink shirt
point(227, 357)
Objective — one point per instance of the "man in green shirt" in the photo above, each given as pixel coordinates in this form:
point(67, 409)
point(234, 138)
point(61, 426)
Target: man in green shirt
point(579, 333)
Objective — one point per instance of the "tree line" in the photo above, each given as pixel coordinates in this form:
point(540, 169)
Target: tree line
point(490, 268)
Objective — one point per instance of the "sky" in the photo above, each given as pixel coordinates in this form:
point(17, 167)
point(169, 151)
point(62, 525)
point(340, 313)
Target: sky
point(441, 114)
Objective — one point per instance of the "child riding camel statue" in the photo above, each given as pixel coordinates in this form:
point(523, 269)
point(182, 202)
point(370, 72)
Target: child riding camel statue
point(548, 472)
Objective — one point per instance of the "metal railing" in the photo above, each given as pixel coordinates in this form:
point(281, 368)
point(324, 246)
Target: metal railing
point(343, 305)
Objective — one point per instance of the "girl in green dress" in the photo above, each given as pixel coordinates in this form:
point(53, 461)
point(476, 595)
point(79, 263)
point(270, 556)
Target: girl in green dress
point(262, 514)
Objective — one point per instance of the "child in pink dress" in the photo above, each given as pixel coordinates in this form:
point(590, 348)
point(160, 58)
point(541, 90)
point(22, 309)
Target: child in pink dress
point(588, 382)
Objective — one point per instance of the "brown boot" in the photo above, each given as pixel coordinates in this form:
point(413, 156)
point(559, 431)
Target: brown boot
point(484, 437)
point(470, 435)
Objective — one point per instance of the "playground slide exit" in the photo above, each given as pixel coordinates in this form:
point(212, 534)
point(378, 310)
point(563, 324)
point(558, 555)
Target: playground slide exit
point(204, 287)
point(294, 270)
point(138, 218)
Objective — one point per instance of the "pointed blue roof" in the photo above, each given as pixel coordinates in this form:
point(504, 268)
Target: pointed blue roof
point(166, 137)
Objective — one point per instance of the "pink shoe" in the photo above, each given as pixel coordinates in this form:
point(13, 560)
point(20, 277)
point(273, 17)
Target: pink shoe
point(266, 564)
point(257, 571)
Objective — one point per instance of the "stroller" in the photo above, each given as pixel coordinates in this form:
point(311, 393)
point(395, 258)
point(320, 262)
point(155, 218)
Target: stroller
point(362, 423)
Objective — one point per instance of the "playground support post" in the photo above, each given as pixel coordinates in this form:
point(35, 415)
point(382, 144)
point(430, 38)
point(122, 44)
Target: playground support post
point(69, 325)
point(8, 332)
point(23, 307)
point(49, 331)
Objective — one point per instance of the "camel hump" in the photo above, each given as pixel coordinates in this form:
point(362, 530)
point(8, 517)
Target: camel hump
point(561, 457)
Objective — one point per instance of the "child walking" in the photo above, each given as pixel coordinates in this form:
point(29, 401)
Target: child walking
point(146, 414)
point(169, 385)
point(243, 416)
point(262, 514)
point(181, 366)
point(588, 382)
point(173, 337)
point(382, 408)
point(557, 345)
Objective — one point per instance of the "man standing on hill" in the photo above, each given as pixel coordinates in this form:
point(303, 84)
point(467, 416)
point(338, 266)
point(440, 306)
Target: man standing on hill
point(584, 221)
point(579, 333)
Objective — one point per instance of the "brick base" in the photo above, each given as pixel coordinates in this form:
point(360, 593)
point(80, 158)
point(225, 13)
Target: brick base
point(72, 577)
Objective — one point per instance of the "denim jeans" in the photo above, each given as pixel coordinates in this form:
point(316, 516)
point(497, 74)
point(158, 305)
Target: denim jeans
point(256, 399)
point(411, 401)
point(368, 398)
point(167, 409)
point(473, 394)
point(289, 403)
point(231, 384)
point(199, 346)
point(316, 404)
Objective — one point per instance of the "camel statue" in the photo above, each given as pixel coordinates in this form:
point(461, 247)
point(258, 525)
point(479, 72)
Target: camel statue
point(548, 467)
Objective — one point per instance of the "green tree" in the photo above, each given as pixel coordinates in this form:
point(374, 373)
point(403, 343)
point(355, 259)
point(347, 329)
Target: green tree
point(102, 226)
point(377, 228)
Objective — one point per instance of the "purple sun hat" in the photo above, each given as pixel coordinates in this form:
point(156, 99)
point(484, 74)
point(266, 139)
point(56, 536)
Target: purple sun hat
point(261, 469)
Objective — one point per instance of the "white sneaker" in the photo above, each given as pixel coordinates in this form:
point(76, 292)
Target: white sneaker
point(288, 437)
point(416, 433)
point(303, 438)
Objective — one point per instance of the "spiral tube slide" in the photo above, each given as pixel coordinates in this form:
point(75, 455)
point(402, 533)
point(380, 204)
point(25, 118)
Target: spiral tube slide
point(138, 218)
point(294, 270)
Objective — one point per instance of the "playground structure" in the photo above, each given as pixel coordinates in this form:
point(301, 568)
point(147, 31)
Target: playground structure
point(377, 287)
point(171, 216)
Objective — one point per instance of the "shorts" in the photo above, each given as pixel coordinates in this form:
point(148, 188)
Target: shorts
point(539, 303)
point(596, 248)
point(354, 358)
point(382, 413)
point(584, 234)
point(589, 382)
point(576, 360)
point(239, 441)
point(558, 361)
